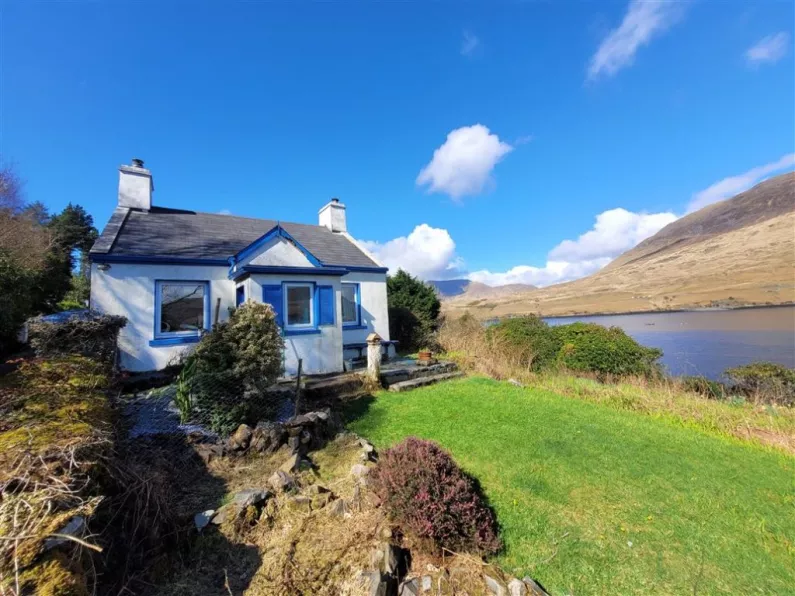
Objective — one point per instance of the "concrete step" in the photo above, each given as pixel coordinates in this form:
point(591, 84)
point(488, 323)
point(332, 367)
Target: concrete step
point(399, 375)
point(423, 381)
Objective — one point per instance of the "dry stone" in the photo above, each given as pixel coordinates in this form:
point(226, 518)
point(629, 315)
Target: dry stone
point(241, 438)
point(281, 481)
point(250, 497)
point(517, 588)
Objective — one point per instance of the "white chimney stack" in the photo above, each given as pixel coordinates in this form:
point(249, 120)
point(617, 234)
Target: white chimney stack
point(135, 186)
point(332, 216)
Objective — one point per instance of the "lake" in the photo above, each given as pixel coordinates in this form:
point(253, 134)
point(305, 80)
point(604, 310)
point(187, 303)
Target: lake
point(708, 342)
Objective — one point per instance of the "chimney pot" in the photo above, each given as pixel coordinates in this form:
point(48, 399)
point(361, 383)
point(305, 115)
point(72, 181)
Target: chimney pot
point(137, 163)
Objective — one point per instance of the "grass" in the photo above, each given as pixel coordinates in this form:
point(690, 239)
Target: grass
point(596, 500)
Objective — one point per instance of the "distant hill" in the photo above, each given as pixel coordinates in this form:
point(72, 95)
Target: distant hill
point(474, 290)
point(740, 251)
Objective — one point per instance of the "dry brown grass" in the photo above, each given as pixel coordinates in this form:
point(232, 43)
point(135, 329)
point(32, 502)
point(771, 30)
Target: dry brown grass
point(479, 352)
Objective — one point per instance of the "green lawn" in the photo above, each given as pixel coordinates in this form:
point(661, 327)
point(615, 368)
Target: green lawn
point(595, 501)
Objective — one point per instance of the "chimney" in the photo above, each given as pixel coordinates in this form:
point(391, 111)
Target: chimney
point(135, 186)
point(332, 216)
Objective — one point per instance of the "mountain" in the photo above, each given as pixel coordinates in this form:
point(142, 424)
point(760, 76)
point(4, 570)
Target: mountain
point(740, 251)
point(474, 290)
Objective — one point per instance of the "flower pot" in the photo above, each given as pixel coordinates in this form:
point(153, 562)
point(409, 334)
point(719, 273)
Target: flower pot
point(424, 356)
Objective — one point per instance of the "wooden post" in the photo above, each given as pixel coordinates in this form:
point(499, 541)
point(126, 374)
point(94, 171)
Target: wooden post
point(374, 357)
point(298, 388)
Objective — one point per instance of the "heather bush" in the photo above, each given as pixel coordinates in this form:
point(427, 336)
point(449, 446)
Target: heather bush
point(588, 347)
point(764, 381)
point(223, 380)
point(535, 342)
point(425, 492)
point(86, 333)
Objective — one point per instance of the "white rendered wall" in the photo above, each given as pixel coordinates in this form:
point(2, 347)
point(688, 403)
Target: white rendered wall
point(375, 312)
point(129, 290)
point(321, 352)
point(278, 252)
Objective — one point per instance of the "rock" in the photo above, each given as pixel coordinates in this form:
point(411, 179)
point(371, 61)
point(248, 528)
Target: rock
point(321, 500)
point(281, 481)
point(250, 497)
point(224, 514)
point(299, 503)
point(208, 451)
point(517, 588)
point(495, 586)
point(515, 382)
point(366, 446)
point(377, 558)
point(201, 520)
point(386, 533)
point(291, 465)
point(316, 489)
point(306, 437)
point(270, 436)
point(381, 585)
point(534, 588)
point(427, 583)
point(410, 587)
point(323, 415)
point(338, 508)
point(74, 527)
point(392, 559)
point(294, 443)
point(241, 438)
point(359, 471)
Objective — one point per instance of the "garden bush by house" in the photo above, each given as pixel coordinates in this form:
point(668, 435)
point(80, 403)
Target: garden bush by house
point(588, 347)
point(86, 333)
point(413, 311)
point(224, 379)
point(764, 381)
point(535, 343)
point(431, 497)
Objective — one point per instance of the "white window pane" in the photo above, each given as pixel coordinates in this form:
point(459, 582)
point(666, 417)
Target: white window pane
point(299, 305)
point(349, 314)
point(181, 307)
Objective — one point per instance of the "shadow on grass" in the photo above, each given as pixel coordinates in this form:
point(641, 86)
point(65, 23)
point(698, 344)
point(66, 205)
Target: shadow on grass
point(156, 485)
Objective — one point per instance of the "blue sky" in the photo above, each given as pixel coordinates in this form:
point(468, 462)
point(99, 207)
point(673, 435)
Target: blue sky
point(522, 142)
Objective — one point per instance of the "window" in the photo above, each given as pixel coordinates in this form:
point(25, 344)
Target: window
point(240, 295)
point(299, 305)
point(181, 308)
point(350, 304)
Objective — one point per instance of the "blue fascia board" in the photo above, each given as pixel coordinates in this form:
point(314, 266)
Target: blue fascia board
point(174, 341)
point(366, 269)
point(275, 270)
point(154, 260)
point(274, 232)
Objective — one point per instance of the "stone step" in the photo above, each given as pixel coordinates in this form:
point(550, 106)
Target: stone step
point(423, 381)
point(398, 375)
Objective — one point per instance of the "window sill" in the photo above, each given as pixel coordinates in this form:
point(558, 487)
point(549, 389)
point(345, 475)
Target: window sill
point(174, 341)
point(352, 326)
point(290, 332)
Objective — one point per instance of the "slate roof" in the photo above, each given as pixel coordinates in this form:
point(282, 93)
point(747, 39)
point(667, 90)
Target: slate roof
point(177, 233)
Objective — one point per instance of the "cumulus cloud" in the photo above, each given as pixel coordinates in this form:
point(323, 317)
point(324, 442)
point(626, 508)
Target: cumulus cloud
point(469, 44)
point(728, 187)
point(615, 231)
point(427, 252)
point(463, 164)
point(768, 49)
point(643, 21)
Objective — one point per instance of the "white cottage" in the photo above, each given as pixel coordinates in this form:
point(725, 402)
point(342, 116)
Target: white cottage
point(174, 273)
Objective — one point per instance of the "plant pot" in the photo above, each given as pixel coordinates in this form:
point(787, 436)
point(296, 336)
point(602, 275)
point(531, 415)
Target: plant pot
point(424, 356)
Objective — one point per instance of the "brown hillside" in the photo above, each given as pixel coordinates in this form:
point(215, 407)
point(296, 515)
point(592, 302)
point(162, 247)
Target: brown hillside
point(737, 252)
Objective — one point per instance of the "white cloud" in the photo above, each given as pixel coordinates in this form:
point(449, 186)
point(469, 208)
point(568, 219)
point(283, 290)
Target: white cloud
point(643, 21)
point(469, 44)
point(768, 49)
point(615, 231)
point(428, 253)
point(463, 164)
point(728, 187)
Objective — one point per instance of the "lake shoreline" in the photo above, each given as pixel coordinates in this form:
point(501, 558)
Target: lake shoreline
point(704, 309)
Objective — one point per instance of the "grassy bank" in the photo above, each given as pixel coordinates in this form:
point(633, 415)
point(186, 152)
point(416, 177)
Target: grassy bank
point(595, 500)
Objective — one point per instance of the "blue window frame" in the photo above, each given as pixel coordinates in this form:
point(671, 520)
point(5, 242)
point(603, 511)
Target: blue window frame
point(240, 295)
point(351, 305)
point(182, 311)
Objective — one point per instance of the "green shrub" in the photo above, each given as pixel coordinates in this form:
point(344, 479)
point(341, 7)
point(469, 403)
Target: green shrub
point(224, 379)
point(604, 350)
point(425, 491)
point(413, 310)
point(703, 386)
point(535, 342)
point(764, 381)
point(86, 333)
point(15, 305)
